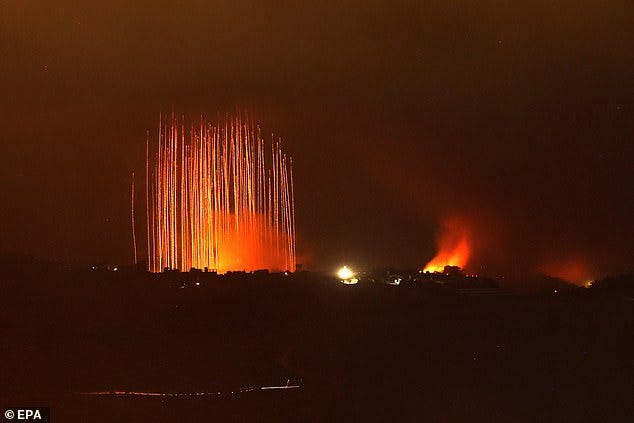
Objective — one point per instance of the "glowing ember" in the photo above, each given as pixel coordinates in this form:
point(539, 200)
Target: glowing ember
point(217, 199)
point(453, 247)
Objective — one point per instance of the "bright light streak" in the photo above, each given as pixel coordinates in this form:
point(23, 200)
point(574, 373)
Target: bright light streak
point(219, 198)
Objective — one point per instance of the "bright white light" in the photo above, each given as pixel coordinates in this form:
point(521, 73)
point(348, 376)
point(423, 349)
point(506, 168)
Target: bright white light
point(345, 273)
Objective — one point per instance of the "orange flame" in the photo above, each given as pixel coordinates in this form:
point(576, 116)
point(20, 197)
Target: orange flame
point(453, 247)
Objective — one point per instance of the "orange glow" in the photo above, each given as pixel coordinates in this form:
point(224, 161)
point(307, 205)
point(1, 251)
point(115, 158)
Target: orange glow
point(572, 270)
point(218, 199)
point(453, 247)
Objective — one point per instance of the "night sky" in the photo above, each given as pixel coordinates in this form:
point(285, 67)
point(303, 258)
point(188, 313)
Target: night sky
point(517, 120)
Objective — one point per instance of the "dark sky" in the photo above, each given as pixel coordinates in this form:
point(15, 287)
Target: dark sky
point(517, 119)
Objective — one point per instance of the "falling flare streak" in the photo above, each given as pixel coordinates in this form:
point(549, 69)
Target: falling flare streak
point(133, 221)
point(214, 201)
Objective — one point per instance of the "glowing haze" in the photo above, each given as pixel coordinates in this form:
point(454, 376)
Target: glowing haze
point(454, 247)
point(571, 269)
point(219, 198)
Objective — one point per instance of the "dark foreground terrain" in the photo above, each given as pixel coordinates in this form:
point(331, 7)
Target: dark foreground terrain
point(359, 352)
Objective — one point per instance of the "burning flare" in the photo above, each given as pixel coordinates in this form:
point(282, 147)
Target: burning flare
point(347, 276)
point(218, 198)
point(453, 247)
point(345, 273)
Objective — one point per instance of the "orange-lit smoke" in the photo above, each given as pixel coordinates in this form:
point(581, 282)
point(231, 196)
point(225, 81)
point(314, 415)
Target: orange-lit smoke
point(454, 247)
point(574, 270)
point(218, 198)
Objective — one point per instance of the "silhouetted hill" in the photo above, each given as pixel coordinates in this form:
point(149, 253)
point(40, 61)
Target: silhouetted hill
point(366, 351)
point(623, 284)
point(24, 263)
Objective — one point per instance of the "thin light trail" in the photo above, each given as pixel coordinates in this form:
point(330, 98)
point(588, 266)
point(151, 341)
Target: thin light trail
point(133, 221)
point(237, 391)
